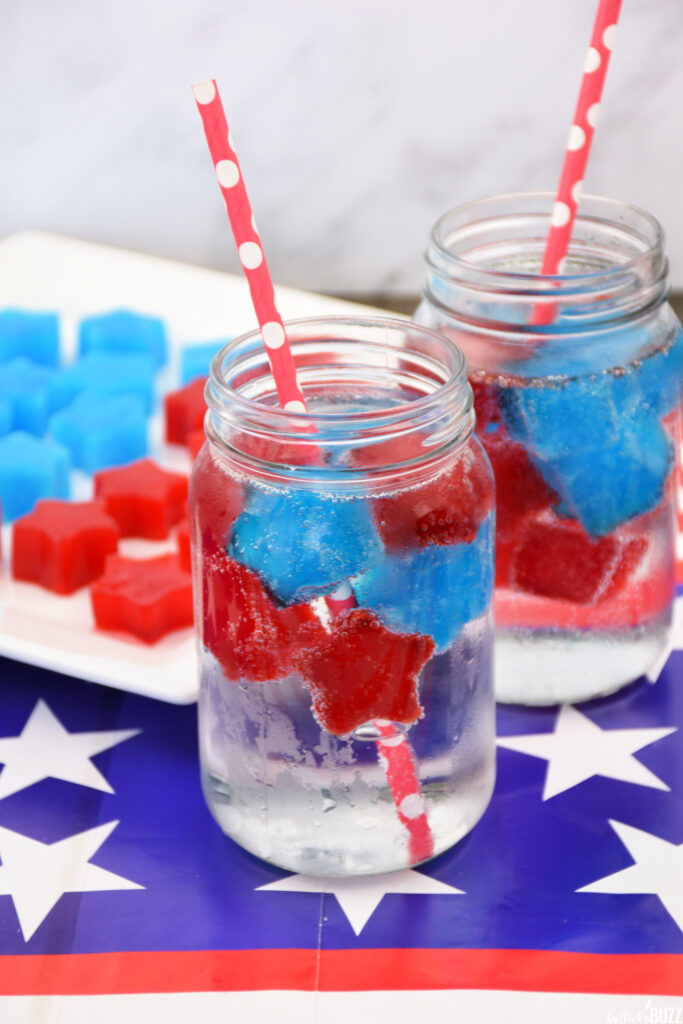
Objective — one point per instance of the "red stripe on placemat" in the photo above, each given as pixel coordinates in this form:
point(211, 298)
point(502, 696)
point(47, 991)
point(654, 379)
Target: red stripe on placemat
point(342, 971)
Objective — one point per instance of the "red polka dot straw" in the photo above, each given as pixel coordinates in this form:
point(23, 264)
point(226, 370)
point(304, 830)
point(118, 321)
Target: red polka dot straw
point(580, 136)
point(400, 771)
point(248, 243)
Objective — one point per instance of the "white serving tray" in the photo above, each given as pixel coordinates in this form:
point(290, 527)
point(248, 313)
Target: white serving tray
point(76, 278)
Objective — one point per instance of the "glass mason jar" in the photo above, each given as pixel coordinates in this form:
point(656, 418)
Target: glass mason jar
point(343, 574)
point(576, 380)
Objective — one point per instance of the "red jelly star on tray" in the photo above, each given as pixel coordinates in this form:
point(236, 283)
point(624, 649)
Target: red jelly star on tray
point(63, 545)
point(362, 671)
point(555, 557)
point(184, 411)
point(253, 638)
point(147, 597)
point(144, 499)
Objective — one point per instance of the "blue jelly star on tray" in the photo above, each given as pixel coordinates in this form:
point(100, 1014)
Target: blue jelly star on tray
point(124, 331)
point(195, 360)
point(101, 431)
point(303, 543)
point(31, 468)
point(104, 373)
point(598, 441)
point(31, 334)
point(24, 389)
point(433, 590)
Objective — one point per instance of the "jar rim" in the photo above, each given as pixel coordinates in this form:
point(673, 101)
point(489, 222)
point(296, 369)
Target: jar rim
point(432, 368)
point(612, 211)
point(300, 422)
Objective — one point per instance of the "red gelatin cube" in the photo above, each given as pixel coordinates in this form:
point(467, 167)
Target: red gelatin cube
point(183, 539)
point(194, 441)
point(486, 406)
point(387, 452)
point(251, 637)
point(447, 510)
point(184, 411)
point(520, 488)
point(147, 597)
point(63, 545)
point(144, 499)
point(557, 558)
point(217, 499)
point(362, 671)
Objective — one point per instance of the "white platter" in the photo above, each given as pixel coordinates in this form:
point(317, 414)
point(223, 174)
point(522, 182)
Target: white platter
point(76, 278)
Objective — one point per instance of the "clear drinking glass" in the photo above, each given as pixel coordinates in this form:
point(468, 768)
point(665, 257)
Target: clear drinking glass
point(343, 572)
point(577, 387)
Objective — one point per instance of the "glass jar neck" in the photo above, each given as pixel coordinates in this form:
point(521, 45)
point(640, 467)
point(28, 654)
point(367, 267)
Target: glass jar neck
point(484, 264)
point(391, 392)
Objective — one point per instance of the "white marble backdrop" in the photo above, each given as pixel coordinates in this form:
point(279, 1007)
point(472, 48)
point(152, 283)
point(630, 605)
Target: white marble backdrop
point(357, 122)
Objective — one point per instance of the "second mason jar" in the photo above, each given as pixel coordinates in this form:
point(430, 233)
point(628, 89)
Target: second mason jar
point(577, 385)
point(343, 573)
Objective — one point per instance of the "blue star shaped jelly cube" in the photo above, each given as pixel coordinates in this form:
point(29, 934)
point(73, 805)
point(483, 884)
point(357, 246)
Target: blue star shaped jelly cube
point(101, 431)
point(433, 590)
point(30, 334)
point(598, 440)
point(5, 417)
point(124, 331)
point(104, 373)
point(195, 360)
point(303, 543)
point(661, 375)
point(31, 468)
point(24, 388)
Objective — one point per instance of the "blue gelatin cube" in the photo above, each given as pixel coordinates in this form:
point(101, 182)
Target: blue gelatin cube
point(32, 335)
point(31, 468)
point(433, 590)
point(101, 431)
point(598, 442)
point(24, 389)
point(104, 373)
point(195, 360)
point(123, 331)
point(661, 376)
point(5, 417)
point(303, 543)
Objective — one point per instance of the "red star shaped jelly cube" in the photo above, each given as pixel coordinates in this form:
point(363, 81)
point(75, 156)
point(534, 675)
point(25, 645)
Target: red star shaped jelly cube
point(447, 510)
point(362, 671)
point(194, 441)
point(185, 410)
point(253, 638)
point(63, 545)
point(215, 497)
point(555, 557)
point(520, 488)
point(144, 499)
point(182, 536)
point(147, 597)
point(485, 404)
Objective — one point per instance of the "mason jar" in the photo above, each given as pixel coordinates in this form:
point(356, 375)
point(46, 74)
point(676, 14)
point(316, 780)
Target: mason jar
point(343, 575)
point(576, 380)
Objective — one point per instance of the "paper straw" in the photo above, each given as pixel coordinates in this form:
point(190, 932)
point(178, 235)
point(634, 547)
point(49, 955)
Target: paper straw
point(578, 146)
point(249, 246)
point(400, 765)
